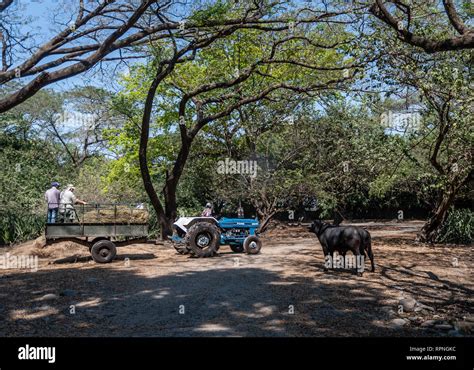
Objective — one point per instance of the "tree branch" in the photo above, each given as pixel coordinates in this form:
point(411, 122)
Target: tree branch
point(464, 41)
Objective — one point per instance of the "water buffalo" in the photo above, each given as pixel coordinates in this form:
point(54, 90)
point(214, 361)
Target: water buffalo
point(342, 239)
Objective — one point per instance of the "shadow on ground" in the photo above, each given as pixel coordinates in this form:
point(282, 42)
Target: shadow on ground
point(233, 301)
point(281, 292)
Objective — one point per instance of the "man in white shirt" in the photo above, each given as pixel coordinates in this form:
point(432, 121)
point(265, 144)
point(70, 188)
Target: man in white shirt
point(66, 203)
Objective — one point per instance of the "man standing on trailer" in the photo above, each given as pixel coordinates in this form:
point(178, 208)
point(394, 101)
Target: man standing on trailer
point(68, 199)
point(52, 198)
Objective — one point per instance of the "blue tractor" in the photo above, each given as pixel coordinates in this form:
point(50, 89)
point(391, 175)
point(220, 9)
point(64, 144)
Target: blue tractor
point(202, 236)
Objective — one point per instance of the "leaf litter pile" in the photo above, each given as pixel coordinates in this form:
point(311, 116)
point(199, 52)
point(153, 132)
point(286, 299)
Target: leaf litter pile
point(118, 214)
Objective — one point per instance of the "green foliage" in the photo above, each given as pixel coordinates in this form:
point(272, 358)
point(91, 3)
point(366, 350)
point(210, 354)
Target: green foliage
point(17, 225)
point(153, 226)
point(27, 171)
point(458, 227)
point(212, 11)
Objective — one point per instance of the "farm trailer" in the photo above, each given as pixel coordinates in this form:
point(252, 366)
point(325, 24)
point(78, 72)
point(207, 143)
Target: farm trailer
point(102, 228)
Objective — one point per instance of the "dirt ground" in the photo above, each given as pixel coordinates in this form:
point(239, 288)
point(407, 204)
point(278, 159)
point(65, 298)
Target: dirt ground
point(150, 290)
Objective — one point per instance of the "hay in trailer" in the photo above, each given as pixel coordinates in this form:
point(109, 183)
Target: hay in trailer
point(119, 214)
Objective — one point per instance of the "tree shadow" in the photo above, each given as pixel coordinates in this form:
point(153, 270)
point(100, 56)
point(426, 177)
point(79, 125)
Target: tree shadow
point(216, 297)
point(425, 289)
point(241, 301)
point(119, 257)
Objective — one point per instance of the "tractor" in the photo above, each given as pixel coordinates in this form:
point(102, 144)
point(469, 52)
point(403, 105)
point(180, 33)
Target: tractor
point(202, 236)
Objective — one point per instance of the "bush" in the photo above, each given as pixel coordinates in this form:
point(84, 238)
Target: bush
point(18, 226)
point(153, 225)
point(458, 227)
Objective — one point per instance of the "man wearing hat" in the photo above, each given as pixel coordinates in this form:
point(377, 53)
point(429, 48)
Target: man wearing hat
point(68, 199)
point(52, 198)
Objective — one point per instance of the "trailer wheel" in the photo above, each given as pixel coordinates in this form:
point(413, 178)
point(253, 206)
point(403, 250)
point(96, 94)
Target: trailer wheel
point(103, 251)
point(252, 244)
point(95, 240)
point(203, 239)
point(237, 248)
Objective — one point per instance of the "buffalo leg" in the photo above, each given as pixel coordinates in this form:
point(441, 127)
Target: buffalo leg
point(371, 256)
point(358, 257)
point(326, 255)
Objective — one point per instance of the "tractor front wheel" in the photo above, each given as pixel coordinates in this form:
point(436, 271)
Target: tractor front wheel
point(252, 244)
point(203, 239)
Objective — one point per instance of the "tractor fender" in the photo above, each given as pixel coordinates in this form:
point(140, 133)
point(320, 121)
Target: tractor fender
point(184, 223)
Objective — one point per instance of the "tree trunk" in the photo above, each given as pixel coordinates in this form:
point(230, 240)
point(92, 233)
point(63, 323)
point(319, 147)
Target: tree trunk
point(166, 227)
point(264, 219)
point(172, 181)
point(165, 224)
point(430, 229)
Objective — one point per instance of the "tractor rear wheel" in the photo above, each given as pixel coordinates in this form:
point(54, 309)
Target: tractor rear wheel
point(252, 244)
point(103, 251)
point(203, 239)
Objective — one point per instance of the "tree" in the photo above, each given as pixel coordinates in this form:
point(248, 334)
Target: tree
point(75, 120)
point(263, 151)
point(444, 135)
point(86, 114)
point(215, 90)
point(453, 137)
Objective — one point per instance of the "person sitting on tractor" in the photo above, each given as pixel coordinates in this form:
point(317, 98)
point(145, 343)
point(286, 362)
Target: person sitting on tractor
point(240, 212)
point(207, 212)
